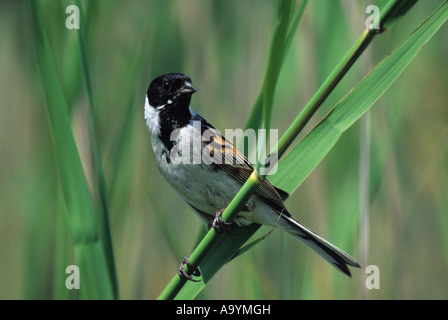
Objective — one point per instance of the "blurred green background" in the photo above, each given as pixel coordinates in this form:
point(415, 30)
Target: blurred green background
point(223, 46)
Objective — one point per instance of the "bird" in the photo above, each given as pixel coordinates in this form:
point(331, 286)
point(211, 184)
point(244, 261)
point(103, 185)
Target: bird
point(209, 187)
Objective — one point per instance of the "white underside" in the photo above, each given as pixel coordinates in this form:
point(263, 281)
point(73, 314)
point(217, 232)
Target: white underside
point(198, 184)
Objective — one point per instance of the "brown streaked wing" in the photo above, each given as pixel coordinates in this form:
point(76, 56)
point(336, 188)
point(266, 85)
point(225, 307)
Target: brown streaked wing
point(238, 166)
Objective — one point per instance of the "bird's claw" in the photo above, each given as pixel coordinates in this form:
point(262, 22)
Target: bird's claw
point(194, 270)
point(220, 225)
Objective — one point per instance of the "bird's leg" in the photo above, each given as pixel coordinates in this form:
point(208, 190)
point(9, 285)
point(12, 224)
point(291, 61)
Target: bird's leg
point(194, 270)
point(220, 225)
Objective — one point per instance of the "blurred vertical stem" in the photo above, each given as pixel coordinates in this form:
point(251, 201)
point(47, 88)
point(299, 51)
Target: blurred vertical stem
point(100, 190)
point(82, 219)
point(364, 183)
point(276, 55)
point(256, 116)
point(364, 179)
point(285, 9)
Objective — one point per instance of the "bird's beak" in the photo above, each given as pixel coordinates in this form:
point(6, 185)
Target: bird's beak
point(187, 88)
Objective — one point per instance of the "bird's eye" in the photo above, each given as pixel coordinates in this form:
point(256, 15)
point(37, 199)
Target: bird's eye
point(166, 86)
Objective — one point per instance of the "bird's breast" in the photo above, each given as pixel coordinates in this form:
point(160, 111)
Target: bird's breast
point(204, 186)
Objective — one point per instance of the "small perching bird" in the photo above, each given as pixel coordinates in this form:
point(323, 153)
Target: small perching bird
point(209, 186)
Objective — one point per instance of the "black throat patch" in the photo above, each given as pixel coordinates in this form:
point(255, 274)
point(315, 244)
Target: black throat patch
point(173, 117)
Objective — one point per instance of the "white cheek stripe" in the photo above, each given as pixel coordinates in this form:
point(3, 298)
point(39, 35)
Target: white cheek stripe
point(152, 118)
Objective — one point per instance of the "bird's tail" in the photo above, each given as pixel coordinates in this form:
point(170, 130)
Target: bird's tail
point(322, 247)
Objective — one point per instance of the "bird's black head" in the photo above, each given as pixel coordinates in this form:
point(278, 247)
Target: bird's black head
point(171, 90)
point(167, 105)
